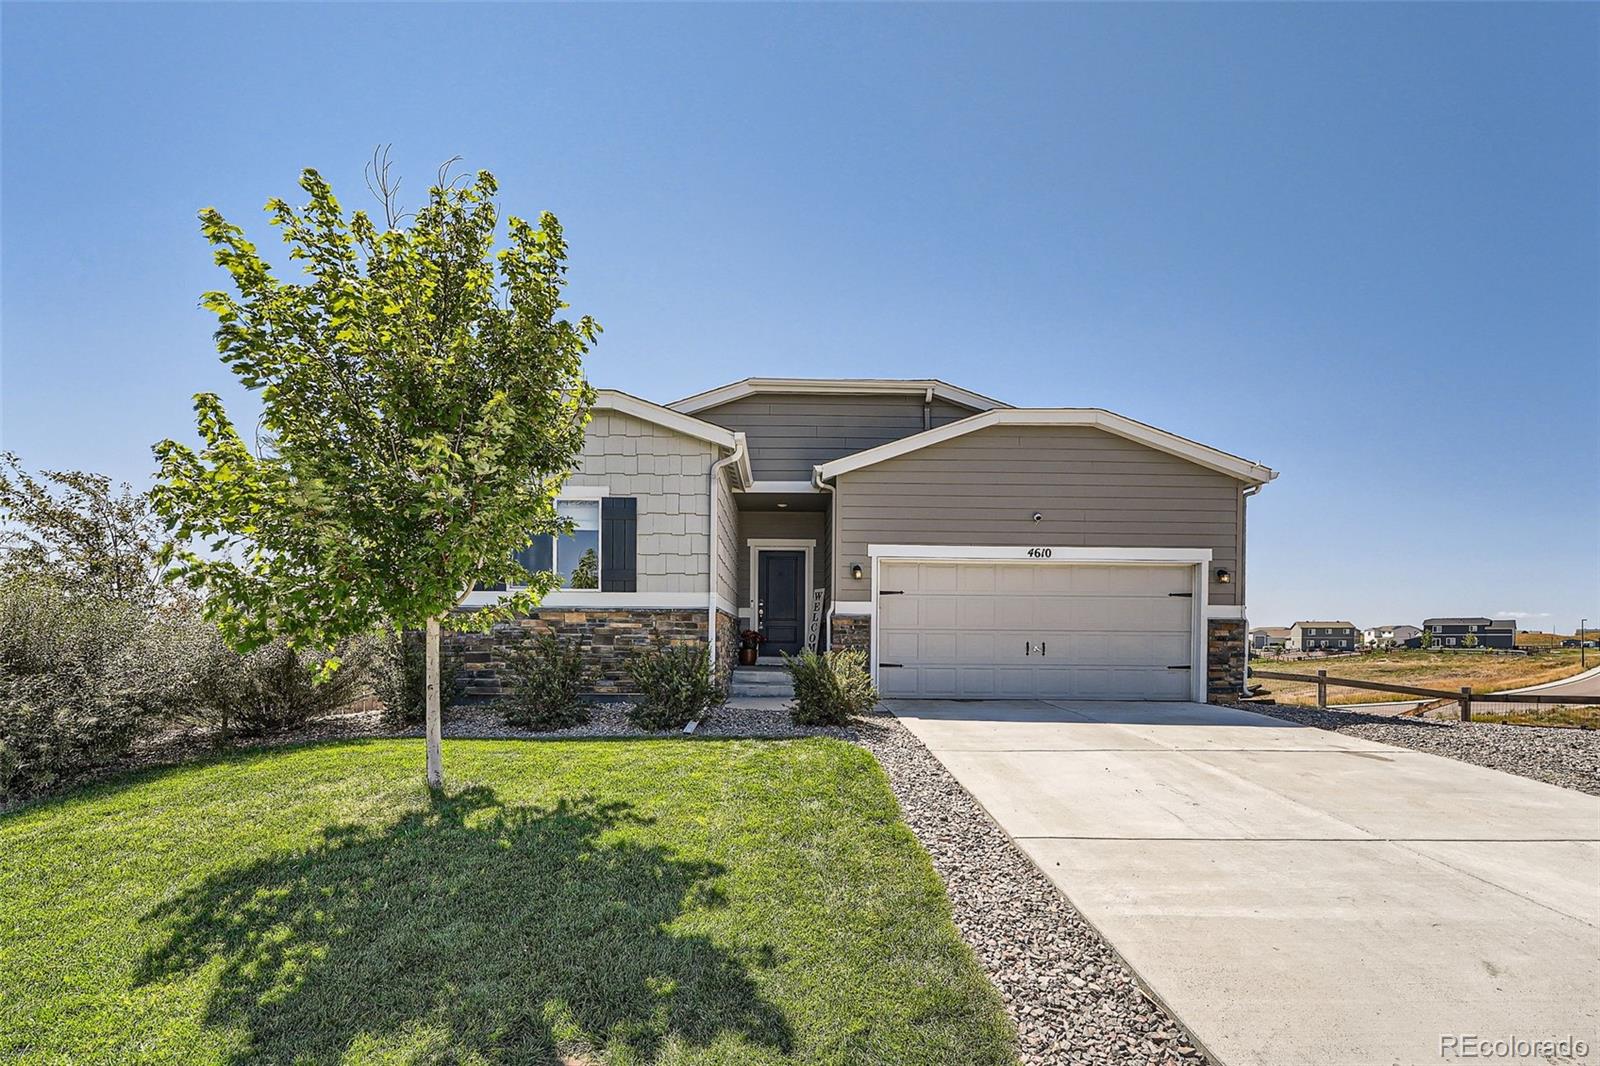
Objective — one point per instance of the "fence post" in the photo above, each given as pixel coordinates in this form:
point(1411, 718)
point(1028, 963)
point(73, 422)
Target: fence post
point(1322, 690)
point(1466, 703)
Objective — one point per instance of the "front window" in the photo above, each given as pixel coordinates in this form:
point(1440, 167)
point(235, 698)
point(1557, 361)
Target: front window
point(575, 557)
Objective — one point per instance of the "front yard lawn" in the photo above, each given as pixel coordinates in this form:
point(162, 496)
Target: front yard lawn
point(678, 902)
point(1448, 670)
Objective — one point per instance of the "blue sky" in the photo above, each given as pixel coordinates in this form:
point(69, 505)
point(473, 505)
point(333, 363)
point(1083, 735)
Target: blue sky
point(1360, 243)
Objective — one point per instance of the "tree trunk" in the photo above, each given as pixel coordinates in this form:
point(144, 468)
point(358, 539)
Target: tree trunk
point(435, 755)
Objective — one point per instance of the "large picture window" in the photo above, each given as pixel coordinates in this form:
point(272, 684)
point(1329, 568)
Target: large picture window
point(574, 557)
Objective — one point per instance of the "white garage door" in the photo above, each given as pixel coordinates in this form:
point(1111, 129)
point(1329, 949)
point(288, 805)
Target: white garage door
point(1016, 630)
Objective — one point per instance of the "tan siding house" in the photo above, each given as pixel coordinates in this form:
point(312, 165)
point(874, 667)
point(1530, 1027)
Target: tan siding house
point(970, 548)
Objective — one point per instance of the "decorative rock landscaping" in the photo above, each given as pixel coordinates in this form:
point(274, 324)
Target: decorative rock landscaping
point(1566, 757)
point(1071, 997)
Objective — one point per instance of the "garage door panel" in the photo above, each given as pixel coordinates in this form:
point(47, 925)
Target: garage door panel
point(937, 578)
point(978, 647)
point(900, 646)
point(1014, 612)
point(975, 578)
point(975, 630)
point(897, 611)
point(976, 611)
point(977, 682)
point(937, 612)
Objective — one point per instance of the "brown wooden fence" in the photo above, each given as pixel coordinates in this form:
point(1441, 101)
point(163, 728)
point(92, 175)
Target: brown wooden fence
point(1464, 696)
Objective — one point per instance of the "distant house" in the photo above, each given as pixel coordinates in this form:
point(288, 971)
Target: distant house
point(1322, 636)
point(1269, 637)
point(1389, 636)
point(1471, 632)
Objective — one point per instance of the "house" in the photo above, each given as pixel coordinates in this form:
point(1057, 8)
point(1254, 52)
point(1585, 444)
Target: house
point(969, 547)
point(1269, 637)
point(1322, 636)
point(1471, 632)
point(1390, 636)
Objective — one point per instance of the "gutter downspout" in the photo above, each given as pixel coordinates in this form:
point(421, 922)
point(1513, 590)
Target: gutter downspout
point(1244, 614)
point(716, 541)
point(833, 545)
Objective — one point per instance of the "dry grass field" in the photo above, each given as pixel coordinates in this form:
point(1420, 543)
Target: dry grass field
point(1447, 670)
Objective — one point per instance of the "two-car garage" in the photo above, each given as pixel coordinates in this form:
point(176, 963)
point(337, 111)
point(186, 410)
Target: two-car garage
point(1064, 627)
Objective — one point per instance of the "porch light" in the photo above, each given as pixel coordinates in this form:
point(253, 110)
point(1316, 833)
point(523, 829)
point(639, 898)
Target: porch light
point(855, 571)
point(1224, 577)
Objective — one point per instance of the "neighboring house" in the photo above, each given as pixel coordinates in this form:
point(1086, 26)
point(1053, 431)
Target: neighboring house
point(1389, 636)
point(1322, 636)
point(1269, 637)
point(970, 548)
point(1472, 632)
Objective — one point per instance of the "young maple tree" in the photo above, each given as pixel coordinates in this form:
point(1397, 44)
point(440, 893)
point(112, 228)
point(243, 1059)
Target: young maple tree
point(423, 400)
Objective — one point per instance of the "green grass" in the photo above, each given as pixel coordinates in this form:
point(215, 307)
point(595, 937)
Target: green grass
point(626, 902)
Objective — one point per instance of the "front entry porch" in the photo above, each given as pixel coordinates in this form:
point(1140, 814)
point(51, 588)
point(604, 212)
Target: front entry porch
point(783, 564)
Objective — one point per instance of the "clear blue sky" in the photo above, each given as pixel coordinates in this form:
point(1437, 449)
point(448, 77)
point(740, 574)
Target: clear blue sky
point(1359, 243)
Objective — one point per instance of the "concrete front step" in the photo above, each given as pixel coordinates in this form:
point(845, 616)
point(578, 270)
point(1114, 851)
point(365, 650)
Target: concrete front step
point(759, 682)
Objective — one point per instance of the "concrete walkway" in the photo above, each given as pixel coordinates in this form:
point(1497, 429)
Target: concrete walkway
point(1293, 895)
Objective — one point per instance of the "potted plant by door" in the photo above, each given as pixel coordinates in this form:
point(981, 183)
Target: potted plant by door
point(749, 646)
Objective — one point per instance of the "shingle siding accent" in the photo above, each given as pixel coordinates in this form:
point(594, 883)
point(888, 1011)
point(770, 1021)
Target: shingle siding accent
point(669, 474)
point(1093, 488)
point(730, 521)
point(789, 434)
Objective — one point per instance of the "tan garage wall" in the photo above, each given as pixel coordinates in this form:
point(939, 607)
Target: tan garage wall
point(1094, 489)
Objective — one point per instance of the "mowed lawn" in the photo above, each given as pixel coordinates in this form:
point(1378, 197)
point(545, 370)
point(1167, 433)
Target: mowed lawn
point(678, 902)
point(1448, 670)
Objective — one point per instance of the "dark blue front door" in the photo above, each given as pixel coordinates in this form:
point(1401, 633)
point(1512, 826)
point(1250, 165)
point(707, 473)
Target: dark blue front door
point(781, 594)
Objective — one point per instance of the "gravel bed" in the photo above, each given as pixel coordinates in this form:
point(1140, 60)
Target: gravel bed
point(1566, 757)
point(1072, 999)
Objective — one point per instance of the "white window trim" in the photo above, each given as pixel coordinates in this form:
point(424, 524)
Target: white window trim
point(1198, 561)
point(573, 492)
point(757, 546)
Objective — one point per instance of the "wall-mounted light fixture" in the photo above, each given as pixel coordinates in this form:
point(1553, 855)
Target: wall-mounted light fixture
point(855, 571)
point(1224, 577)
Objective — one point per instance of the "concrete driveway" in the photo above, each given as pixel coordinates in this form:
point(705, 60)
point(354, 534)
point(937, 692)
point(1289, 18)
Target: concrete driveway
point(1294, 895)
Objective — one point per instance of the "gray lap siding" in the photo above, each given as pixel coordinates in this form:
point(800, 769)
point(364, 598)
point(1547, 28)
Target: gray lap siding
point(789, 434)
point(1093, 489)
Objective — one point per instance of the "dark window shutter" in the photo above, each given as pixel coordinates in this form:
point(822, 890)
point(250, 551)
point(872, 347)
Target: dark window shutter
point(619, 544)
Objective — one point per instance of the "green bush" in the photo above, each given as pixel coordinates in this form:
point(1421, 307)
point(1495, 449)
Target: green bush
point(398, 672)
point(547, 685)
point(675, 686)
point(73, 689)
point(829, 688)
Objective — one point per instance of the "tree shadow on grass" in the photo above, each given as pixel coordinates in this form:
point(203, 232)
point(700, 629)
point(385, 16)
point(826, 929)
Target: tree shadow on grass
point(468, 929)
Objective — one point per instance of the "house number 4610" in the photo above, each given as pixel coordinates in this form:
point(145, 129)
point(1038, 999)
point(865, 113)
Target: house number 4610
point(1038, 553)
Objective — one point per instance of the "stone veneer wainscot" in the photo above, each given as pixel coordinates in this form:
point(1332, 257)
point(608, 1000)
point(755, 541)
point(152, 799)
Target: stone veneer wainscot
point(609, 638)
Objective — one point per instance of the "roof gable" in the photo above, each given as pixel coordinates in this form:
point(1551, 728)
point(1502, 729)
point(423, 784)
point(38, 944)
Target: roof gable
point(929, 387)
point(1232, 465)
point(689, 426)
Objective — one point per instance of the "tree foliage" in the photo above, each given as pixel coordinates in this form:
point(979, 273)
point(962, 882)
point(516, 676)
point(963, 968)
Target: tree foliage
point(79, 531)
point(422, 401)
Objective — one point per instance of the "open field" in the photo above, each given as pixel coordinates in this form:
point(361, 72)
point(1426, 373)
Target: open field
point(568, 903)
point(1449, 670)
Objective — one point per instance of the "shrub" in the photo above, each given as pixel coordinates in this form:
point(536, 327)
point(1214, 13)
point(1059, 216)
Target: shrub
point(72, 692)
point(829, 688)
point(675, 686)
point(399, 676)
point(547, 680)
